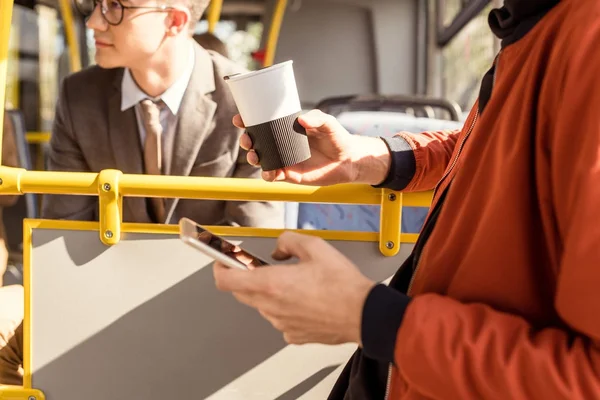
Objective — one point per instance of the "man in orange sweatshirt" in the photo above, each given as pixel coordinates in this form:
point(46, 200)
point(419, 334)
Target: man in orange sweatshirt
point(501, 296)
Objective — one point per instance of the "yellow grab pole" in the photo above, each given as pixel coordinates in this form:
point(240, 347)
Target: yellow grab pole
point(274, 31)
point(72, 43)
point(14, 96)
point(214, 14)
point(6, 9)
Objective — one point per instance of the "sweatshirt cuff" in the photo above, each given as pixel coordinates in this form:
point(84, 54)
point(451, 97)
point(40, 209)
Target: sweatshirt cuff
point(404, 164)
point(381, 319)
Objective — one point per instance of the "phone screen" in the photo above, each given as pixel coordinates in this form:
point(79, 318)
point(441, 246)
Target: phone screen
point(221, 245)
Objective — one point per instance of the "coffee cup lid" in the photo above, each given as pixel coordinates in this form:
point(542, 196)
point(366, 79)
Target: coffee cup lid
point(241, 76)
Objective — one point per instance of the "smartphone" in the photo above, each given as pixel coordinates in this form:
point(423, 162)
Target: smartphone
point(216, 247)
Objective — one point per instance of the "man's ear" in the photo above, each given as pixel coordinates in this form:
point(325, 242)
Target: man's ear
point(177, 20)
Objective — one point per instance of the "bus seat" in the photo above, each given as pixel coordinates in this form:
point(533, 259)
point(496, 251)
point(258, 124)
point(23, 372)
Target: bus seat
point(366, 218)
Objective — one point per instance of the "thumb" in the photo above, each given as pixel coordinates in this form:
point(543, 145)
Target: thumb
point(319, 121)
point(292, 244)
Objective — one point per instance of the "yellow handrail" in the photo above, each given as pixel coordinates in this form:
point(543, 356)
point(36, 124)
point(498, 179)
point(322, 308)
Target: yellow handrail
point(18, 392)
point(6, 9)
point(111, 186)
point(274, 31)
point(214, 14)
point(72, 42)
point(20, 181)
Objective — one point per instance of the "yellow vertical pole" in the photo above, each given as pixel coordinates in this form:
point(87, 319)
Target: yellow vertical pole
point(214, 14)
point(274, 31)
point(13, 64)
point(6, 9)
point(72, 42)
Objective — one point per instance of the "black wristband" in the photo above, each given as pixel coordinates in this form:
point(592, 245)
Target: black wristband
point(404, 164)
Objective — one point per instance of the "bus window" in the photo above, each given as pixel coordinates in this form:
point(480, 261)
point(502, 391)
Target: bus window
point(467, 57)
point(49, 51)
point(241, 39)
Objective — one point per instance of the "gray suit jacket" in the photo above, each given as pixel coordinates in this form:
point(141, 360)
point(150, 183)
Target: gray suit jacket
point(91, 133)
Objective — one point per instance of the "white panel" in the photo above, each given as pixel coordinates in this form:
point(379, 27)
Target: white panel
point(143, 320)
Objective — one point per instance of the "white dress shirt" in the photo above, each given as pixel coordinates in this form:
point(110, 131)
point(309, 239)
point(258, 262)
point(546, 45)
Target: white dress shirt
point(132, 95)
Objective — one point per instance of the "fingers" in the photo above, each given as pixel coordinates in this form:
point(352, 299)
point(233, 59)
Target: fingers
point(274, 176)
point(246, 142)
point(269, 176)
point(292, 244)
point(237, 121)
point(232, 279)
point(281, 255)
point(243, 257)
point(252, 158)
point(256, 281)
point(246, 298)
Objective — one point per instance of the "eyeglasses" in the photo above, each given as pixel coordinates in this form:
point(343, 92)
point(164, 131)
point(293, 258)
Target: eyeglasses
point(112, 10)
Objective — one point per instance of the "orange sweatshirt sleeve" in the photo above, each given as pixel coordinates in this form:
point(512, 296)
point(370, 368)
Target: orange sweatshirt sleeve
point(451, 350)
point(419, 161)
point(433, 152)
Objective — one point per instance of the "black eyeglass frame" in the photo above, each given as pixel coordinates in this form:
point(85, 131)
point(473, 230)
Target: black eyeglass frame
point(104, 10)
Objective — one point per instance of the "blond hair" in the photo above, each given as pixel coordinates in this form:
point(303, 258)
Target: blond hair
point(196, 8)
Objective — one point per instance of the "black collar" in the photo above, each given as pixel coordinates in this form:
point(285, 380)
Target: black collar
point(517, 17)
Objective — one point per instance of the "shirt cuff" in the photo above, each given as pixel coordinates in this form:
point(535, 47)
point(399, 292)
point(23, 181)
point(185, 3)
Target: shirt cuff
point(381, 319)
point(404, 164)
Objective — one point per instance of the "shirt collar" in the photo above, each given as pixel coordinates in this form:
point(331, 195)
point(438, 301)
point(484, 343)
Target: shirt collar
point(131, 94)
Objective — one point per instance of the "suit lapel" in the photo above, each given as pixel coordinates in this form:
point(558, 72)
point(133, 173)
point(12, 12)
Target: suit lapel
point(194, 119)
point(126, 145)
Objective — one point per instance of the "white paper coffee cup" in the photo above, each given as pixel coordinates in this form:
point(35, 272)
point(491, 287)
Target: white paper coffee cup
point(269, 104)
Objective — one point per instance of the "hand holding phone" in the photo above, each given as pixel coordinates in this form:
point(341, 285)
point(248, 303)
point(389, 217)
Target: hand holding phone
point(216, 247)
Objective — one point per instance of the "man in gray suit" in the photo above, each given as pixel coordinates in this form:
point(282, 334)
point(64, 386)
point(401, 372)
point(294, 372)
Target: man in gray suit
point(156, 104)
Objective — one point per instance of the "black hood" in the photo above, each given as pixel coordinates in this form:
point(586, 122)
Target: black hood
point(513, 20)
point(510, 23)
